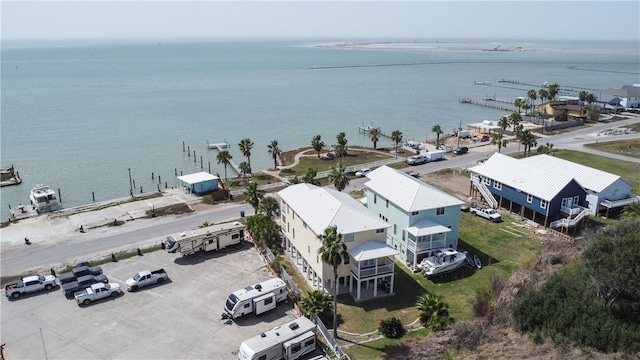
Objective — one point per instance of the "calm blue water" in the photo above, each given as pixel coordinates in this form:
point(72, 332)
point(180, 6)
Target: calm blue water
point(77, 116)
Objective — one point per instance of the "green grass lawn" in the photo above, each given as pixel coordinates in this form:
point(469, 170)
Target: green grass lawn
point(354, 157)
point(627, 170)
point(629, 147)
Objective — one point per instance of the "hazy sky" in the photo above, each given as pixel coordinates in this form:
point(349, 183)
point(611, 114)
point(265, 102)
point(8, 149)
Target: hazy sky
point(353, 20)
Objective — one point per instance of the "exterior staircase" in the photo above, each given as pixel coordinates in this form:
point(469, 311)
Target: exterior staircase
point(569, 222)
point(486, 194)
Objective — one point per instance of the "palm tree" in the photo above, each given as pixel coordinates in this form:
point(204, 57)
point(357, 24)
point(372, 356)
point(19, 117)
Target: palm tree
point(528, 140)
point(224, 158)
point(515, 119)
point(316, 302)
point(518, 130)
point(546, 149)
point(590, 98)
point(342, 138)
point(503, 123)
point(245, 168)
point(436, 129)
point(274, 151)
point(518, 102)
point(543, 94)
point(434, 312)
point(338, 177)
point(396, 137)
point(374, 135)
point(253, 195)
point(245, 146)
point(310, 177)
point(582, 96)
point(526, 107)
point(269, 206)
point(332, 252)
point(553, 90)
point(340, 151)
point(498, 139)
point(317, 144)
point(532, 95)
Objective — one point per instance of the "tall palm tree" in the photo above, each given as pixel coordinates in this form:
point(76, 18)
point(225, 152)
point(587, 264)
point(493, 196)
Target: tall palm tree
point(503, 123)
point(518, 130)
point(245, 168)
point(338, 177)
point(224, 158)
point(333, 252)
point(245, 146)
point(317, 144)
point(518, 104)
point(590, 98)
point(438, 130)
point(374, 135)
point(553, 90)
point(532, 95)
point(253, 195)
point(434, 312)
point(269, 206)
point(310, 177)
point(515, 119)
point(342, 138)
point(543, 94)
point(340, 151)
point(316, 302)
point(498, 139)
point(582, 96)
point(396, 137)
point(526, 106)
point(274, 151)
point(529, 141)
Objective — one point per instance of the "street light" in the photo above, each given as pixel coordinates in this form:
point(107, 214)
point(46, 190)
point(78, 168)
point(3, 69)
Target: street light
point(130, 184)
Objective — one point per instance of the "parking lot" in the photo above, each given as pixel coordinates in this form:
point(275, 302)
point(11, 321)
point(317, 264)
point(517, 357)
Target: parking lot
point(179, 319)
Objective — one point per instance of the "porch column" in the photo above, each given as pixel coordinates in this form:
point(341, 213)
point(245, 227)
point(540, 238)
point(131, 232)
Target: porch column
point(415, 258)
point(375, 287)
point(393, 276)
point(358, 290)
point(350, 283)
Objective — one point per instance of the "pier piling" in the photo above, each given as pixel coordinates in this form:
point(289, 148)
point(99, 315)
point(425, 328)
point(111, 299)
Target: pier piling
point(182, 145)
point(188, 151)
point(201, 162)
point(194, 155)
point(93, 195)
point(152, 176)
point(159, 181)
point(59, 195)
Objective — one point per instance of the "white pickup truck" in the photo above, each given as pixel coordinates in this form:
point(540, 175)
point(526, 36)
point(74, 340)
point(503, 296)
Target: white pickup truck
point(146, 277)
point(30, 284)
point(487, 213)
point(96, 292)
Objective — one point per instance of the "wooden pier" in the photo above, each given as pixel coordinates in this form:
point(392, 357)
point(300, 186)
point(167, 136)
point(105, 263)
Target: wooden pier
point(220, 147)
point(365, 130)
point(493, 106)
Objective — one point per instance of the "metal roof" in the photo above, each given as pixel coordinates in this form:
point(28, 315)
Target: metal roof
point(372, 249)
point(407, 192)
point(321, 208)
point(197, 178)
point(529, 178)
point(589, 178)
point(427, 227)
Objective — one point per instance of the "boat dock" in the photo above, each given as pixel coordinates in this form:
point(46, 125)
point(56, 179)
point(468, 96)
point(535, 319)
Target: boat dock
point(220, 147)
point(491, 98)
point(8, 176)
point(23, 212)
point(365, 130)
point(493, 106)
point(504, 83)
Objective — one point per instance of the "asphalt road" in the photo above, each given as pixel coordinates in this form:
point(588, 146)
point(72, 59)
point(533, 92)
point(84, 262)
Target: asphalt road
point(148, 231)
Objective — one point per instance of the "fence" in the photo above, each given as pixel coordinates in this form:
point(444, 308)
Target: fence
point(283, 273)
point(328, 338)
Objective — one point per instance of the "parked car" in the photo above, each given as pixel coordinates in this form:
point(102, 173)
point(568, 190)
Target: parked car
point(485, 138)
point(96, 292)
point(461, 150)
point(84, 281)
point(417, 159)
point(78, 272)
point(487, 213)
point(30, 284)
point(362, 172)
point(146, 277)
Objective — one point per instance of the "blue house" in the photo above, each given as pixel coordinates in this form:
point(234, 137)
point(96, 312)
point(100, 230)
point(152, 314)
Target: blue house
point(422, 218)
point(199, 183)
point(536, 192)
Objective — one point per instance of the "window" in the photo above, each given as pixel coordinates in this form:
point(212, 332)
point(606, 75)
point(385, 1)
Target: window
point(378, 231)
point(309, 342)
point(497, 185)
point(375, 198)
point(263, 357)
point(293, 215)
point(295, 348)
point(440, 211)
point(309, 249)
point(235, 236)
point(387, 202)
point(368, 263)
point(348, 238)
point(415, 213)
point(529, 198)
point(576, 200)
point(346, 260)
point(304, 224)
point(268, 301)
point(404, 235)
point(383, 217)
point(486, 181)
point(543, 204)
point(294, 232)
point(247, 305)
point(395, 229)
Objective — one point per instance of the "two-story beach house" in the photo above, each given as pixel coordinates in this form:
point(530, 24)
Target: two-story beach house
point(307, 210)
point(422, 218)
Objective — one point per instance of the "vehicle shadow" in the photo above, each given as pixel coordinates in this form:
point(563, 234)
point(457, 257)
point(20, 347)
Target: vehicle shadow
point(282, 309)
point(202, 256)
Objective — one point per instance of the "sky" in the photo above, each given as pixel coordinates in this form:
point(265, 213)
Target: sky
point(343, 20)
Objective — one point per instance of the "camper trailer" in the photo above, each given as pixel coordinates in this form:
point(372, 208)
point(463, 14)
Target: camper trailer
point(213, 237)
point(255, 299)
point(289, 341)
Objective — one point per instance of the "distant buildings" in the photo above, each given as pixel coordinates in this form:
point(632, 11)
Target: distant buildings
point(628, 96)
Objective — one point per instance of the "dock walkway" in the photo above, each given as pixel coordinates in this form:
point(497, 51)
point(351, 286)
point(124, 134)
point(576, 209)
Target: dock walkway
point(221, 147)
point(493, 106)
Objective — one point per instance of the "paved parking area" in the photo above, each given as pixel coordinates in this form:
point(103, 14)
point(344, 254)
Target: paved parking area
point(179, 319)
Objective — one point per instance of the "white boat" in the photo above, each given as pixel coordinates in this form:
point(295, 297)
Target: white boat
point(44, 199)
point(442, 261)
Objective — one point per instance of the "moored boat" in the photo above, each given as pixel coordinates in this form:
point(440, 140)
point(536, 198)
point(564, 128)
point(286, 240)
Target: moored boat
point(44, 199)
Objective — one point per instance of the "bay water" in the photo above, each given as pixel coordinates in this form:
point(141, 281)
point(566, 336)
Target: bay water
point(78, 115)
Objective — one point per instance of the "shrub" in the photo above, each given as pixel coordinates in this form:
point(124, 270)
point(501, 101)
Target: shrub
point(481, 304)
point(391, 328)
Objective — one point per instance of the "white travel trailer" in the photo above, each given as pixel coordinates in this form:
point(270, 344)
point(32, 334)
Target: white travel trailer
point(289, 341)
point(255, 299)
point(213, 237)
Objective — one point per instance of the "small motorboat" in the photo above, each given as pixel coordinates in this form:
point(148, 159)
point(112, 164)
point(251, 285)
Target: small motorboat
point(442, 261)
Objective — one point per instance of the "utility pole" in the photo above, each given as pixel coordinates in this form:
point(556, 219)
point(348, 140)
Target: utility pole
point(130, 184)
point(459, 129)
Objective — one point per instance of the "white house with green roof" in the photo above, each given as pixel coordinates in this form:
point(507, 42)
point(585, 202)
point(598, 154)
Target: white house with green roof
point(307, 210)
point(421, 218)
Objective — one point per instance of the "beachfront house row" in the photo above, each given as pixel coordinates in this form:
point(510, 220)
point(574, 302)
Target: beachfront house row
point(306, 211)
point(627, 96)
point(534, 191)
point(422, 218)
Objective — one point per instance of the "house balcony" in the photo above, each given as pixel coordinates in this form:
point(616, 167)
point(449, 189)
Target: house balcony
point(611, 204)
point(373, 271)
point(573, 210)
point(423, 246)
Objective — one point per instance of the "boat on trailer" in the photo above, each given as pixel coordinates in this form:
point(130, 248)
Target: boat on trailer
point(442, 261)
point(44, 199)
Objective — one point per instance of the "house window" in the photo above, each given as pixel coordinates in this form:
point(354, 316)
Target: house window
point(348, 238)
point(486, 181)
point(293, 215)
point(497, 185)
point(387, 202)
point(294, 232)
point(309, 249)
point(304, 224)
point(403, 235)
point(529, 198)
point(543, 204)
point(440, 211)
point(576, 200)
point(287, 227)
point(379, 231)
point(383, 217)
point(346, 260)
point(415, 213)
point(395, 229)
point(367, 263)
point(375, 198)
point(284, 218)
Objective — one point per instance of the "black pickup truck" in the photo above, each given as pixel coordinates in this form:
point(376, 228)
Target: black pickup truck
point(78, 272)
point(82, 283)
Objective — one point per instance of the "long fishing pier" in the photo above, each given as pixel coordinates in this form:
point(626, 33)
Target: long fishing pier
point(489, 105)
